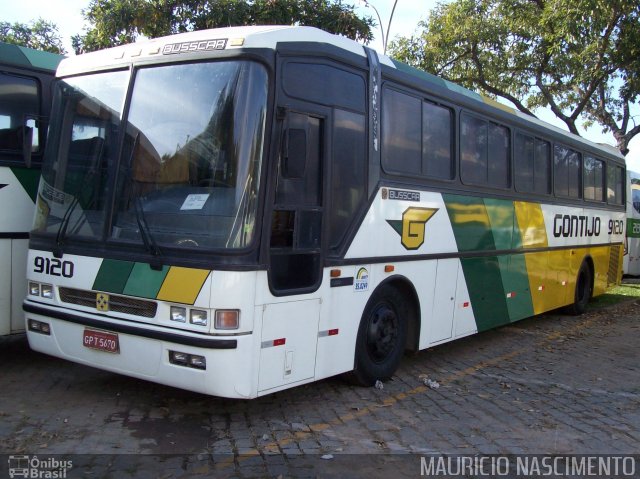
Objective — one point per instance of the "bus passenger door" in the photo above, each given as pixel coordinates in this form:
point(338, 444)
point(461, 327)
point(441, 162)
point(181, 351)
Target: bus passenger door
point(290, 323)
point(296, 223)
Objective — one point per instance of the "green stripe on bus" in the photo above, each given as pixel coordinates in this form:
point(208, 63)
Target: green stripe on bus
point(498, 285)
point(515, 283)
point(113, 276)
point(506, 234)
point(487, 295)
point(470, 222)
point(145, 282)
point(29, 179)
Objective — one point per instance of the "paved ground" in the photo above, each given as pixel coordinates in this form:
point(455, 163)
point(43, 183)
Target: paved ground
point(547, 385)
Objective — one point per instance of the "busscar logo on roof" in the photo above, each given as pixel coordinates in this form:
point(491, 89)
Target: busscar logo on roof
point(199, 46)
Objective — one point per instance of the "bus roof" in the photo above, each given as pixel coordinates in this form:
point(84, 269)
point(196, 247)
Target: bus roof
point(28, 57)
point(269, 36)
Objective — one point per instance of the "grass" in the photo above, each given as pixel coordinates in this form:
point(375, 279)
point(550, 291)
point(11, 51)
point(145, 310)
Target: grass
point(625, 292)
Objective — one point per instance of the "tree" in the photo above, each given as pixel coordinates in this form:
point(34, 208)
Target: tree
point(116, 22)
point(580, 58)
point(39, 34)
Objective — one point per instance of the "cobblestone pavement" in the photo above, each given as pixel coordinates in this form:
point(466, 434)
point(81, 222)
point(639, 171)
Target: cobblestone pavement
point(547, 385)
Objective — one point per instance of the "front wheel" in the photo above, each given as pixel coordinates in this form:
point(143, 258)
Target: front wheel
point(583, 291)
point(381, 337)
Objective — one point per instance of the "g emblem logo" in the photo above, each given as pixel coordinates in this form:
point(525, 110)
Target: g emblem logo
point(102, 302)
point(411, 228)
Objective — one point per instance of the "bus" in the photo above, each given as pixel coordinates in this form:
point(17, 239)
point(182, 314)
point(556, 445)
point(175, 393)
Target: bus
point(239, 211)
point(631, 264)
point(25, 99)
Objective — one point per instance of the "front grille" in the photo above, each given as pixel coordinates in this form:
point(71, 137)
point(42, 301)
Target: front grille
point(118, 304)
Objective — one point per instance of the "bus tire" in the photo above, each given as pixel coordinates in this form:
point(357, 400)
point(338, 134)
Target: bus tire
point(583, 291)
point(381, 337)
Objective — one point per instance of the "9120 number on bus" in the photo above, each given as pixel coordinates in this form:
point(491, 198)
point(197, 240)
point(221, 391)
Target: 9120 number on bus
point(53, 267)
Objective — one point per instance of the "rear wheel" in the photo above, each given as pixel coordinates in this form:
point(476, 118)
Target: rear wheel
point(381, 337)
point(583, 291)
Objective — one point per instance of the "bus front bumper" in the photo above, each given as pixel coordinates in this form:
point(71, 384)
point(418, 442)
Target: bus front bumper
point(219, 366)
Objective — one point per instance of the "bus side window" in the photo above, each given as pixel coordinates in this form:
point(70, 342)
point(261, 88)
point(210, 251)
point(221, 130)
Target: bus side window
point(19, 104)
point(348, 175)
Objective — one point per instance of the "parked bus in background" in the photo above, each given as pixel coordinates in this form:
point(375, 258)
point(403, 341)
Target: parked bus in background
point(25, 99)
point(632, 240)
point(243, 210)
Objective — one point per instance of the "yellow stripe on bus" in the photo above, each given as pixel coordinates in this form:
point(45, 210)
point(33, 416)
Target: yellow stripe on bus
point(546, 276)
point(531, 224)
point(552, 275)
point(182, 285)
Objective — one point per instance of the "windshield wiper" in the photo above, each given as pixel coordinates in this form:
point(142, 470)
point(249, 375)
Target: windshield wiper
point(147, 237)
point(62, 229)
point(66, 218)
point(145, 232)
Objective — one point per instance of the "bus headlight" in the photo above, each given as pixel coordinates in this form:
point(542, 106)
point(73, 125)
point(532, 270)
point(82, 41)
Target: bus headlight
point(42, 290)
point(227, 319)
point(34, 288)
point(178, 313)
point(198, 316)
point(46, 291)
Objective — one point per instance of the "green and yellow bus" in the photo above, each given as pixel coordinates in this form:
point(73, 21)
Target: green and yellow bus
point(25, 100)
point(243, 210)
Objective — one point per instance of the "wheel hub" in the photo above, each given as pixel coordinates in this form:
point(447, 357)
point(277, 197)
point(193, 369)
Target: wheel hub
point(382, 333)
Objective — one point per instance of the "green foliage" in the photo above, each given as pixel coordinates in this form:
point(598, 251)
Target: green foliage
point(580, 58)
point(116, 22)
point(39, 34)
point(628, 290)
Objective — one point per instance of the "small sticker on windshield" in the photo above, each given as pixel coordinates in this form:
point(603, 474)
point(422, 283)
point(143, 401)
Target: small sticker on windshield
point(195, 202)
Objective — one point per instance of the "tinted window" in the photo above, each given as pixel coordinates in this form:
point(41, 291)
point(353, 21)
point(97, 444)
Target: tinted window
point(401, 133)
point(615, 176)
point(18, 97)
point(498, 156)
point(542, 168)
point(484, 152)
point(593, 179)
point(437, 142)
point(532, 164)
point(324, 84)
point(524, 162)
point(568, 172)
point(473, 150)
point(348, 171)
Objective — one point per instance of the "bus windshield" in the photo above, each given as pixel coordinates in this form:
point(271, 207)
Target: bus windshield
point(181, 171)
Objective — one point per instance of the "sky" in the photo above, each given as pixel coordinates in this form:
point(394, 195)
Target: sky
point(67, 15)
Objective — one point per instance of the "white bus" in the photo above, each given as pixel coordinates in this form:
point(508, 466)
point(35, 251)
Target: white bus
point(243, 210)
point(632, 240)
point(25, 98)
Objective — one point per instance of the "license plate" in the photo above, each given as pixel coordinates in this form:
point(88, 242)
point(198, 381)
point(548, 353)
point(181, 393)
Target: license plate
point(101, 340)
